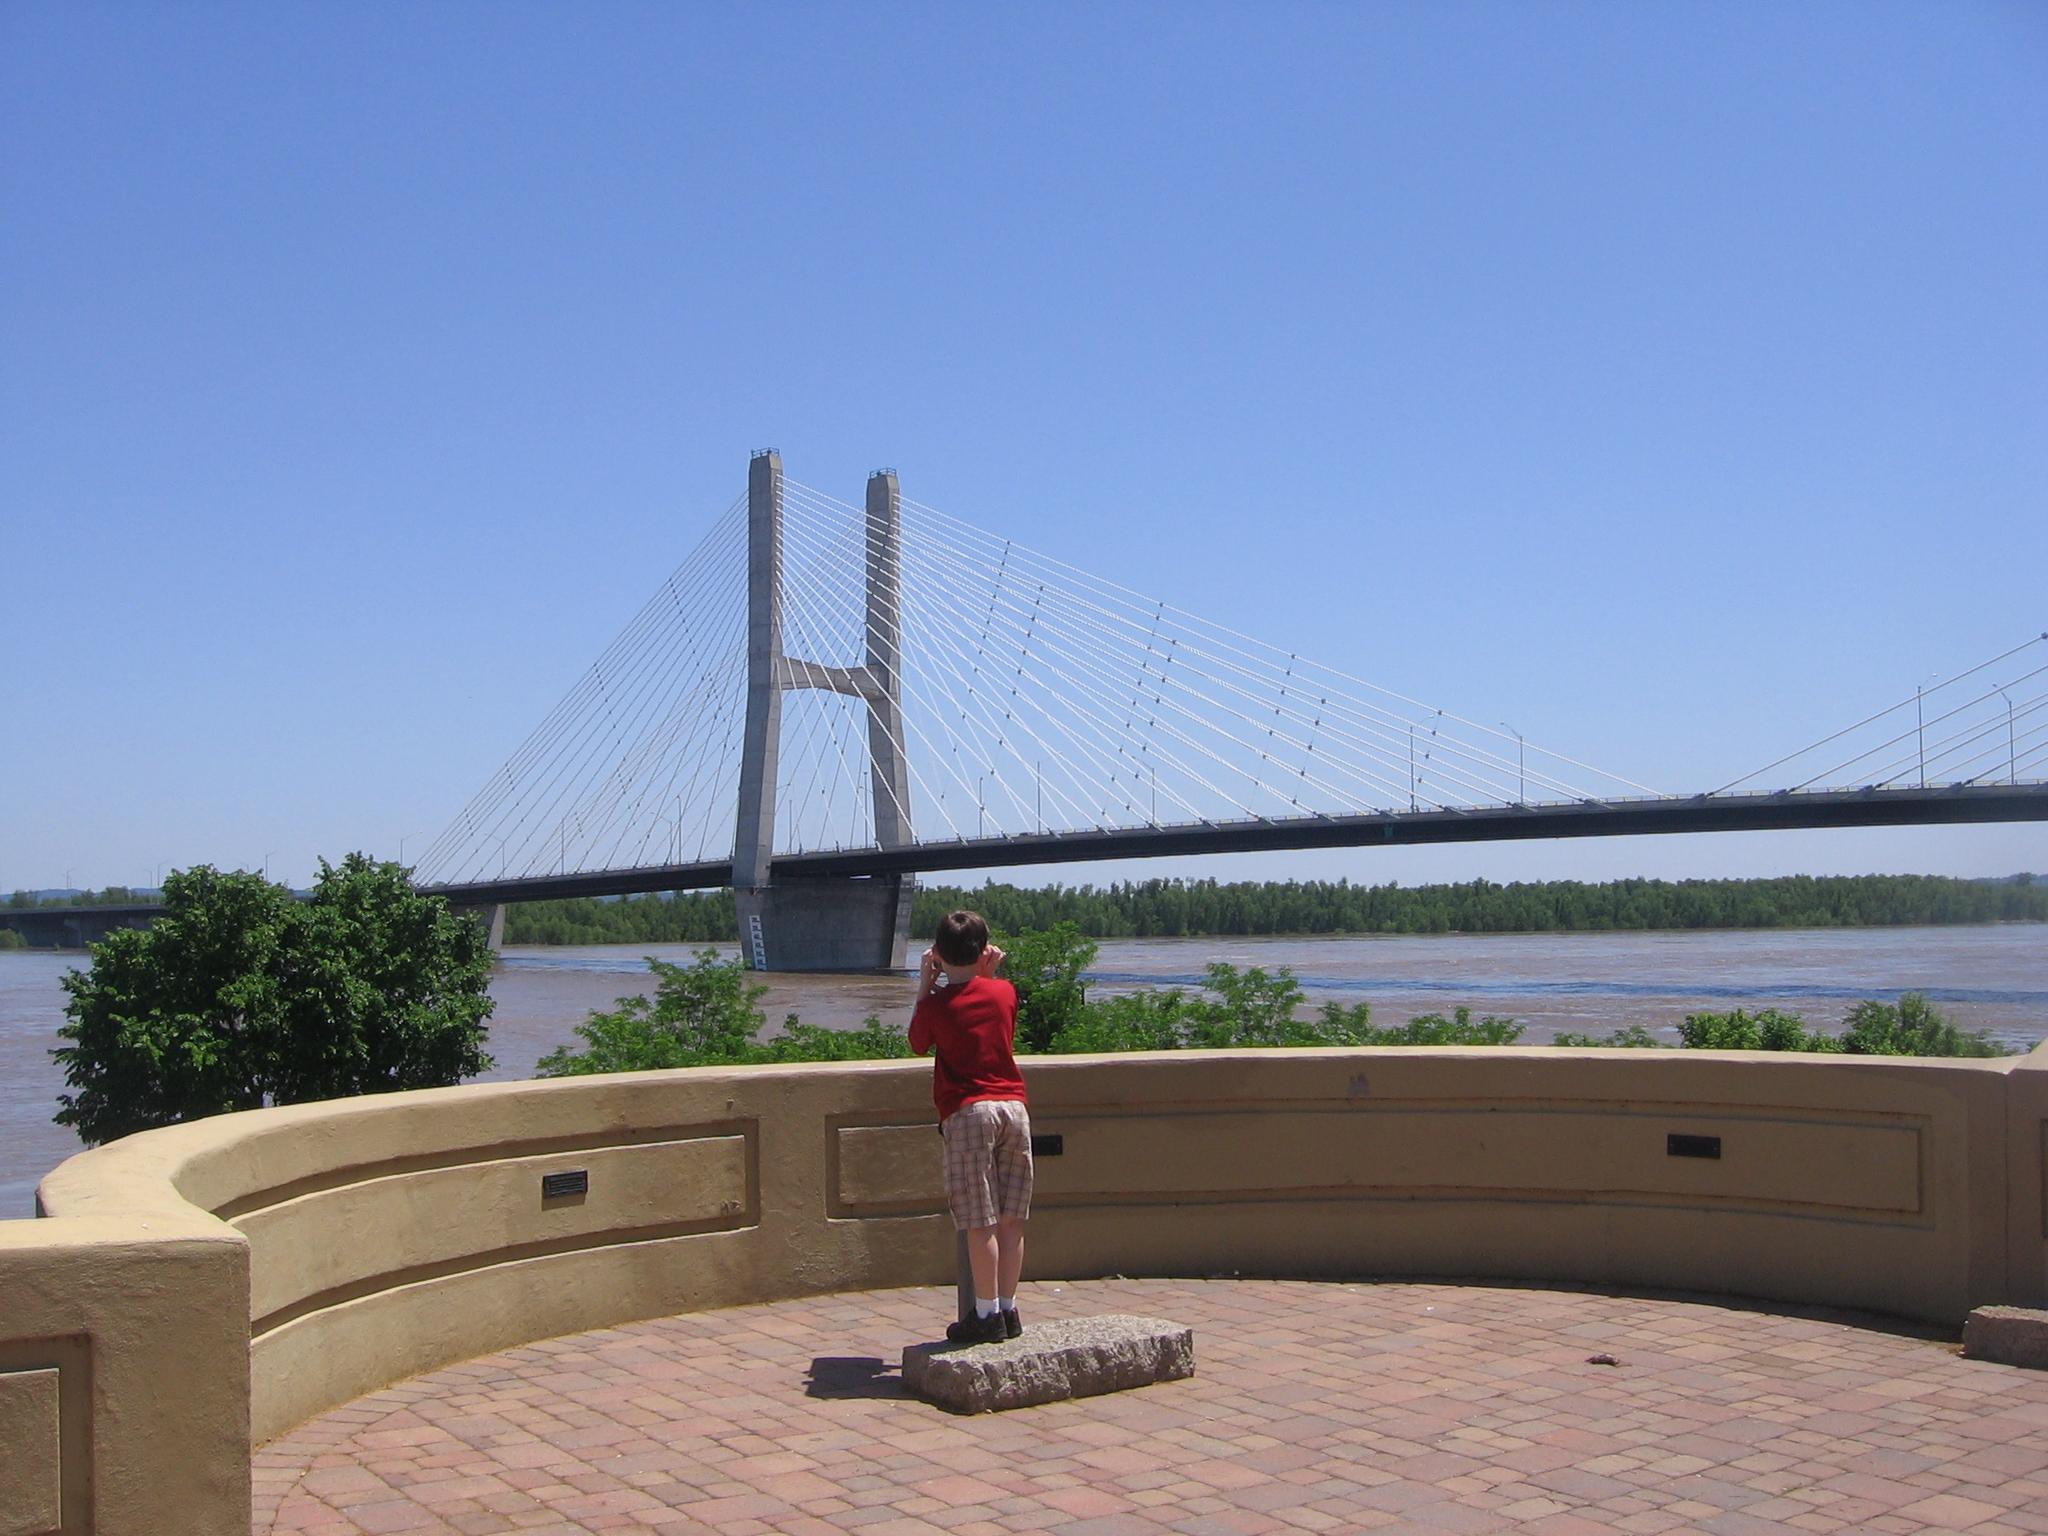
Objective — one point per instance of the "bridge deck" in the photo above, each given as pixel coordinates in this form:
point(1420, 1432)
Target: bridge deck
point(1935, 805)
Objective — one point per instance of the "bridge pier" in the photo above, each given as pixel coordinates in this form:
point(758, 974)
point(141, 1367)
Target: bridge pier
point(800, 924)
point(831, 924)
point(492, 919)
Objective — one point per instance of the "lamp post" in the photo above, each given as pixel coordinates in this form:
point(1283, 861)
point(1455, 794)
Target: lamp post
point(1411, 765)
point(266, 862)
point(1920, 721)
point(2012, 771)
point(501, 852)
point(1920, 725)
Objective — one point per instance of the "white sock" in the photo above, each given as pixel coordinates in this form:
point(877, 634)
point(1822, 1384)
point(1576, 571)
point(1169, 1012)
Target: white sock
point(984, 1306)
point(1007, 1303)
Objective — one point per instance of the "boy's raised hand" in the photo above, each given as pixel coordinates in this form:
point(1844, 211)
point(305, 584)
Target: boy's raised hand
point(991, 957)
point(927, 972)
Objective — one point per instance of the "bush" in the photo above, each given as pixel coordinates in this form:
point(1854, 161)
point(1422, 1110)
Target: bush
point(873, 1041)
point(240, 995)
point(1045, 967)
point(706, 1014)
point(1910, 1027)
point(703, 1014)
point(1769, 1030)
point(1633, 1038)
point(1257, 1008)
point(1459, 1029)
point(1131, 1021)
point(9, 939)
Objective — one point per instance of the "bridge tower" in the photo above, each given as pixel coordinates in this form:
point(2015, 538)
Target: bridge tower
point(789, 924)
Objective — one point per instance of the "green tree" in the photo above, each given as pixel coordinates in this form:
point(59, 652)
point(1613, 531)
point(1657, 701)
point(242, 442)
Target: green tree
point(9, 939)
point(1459, 1029)
point(1737, 1030)
point(240, 996)
point(1251, 1007)
point(1633, 1038)
point(873, 1041)
point(1045, 967)
point(707, 1014)
point(1152, 1020)
point(1910, 1027)
point(702, 1014)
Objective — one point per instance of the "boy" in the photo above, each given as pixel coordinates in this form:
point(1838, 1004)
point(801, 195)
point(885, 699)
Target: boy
point(967, 1015)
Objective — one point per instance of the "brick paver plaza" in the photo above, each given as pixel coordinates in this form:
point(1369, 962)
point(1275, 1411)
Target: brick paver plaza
point(1385, 1407)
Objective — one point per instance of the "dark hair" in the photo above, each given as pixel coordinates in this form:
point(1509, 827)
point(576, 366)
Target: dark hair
point(961, 938)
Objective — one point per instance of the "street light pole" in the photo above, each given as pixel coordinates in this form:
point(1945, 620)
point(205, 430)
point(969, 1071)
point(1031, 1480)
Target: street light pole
point(1411, 766)
point(2012, 746)
point(1920, 722)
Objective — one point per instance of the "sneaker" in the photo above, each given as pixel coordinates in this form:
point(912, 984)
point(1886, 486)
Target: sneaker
point(978, 1330)
point(1012, 1323)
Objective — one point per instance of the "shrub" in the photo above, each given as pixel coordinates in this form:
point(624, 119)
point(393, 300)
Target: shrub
point(873, 1041)
point(1132, 1021)
point(1045, 967)
point(1633, 1038)
point(706, 1014)
point(702, 1014)
point(1769, 1030)
point(1910, 1027)
point(1258, 1008)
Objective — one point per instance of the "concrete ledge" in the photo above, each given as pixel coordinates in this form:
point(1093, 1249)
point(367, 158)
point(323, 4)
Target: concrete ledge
point(2008, 1336)
point(1082, 1357)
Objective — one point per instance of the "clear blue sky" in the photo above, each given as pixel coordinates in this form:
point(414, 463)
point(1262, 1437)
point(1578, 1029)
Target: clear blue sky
point(1669, 380)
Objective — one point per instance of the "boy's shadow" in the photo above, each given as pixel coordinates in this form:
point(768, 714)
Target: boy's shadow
point(852, 1376)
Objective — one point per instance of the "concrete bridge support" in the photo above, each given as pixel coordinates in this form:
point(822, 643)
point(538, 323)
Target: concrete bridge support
point(821, 924)
point(492, 920)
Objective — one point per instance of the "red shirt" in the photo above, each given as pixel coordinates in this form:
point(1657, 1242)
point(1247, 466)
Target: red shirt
point(973, 1028)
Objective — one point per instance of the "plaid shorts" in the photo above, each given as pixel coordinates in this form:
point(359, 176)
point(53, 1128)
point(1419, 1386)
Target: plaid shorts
point(988, 1162)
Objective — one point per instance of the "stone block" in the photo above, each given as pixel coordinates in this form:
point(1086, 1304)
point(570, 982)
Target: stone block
point(31, 1469)
point(1080, 1357)
point(2008, 1336)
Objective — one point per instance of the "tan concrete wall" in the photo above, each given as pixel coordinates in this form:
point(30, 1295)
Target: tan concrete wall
point(333, 1248)
point(124, 1402)
point(2026, 1140)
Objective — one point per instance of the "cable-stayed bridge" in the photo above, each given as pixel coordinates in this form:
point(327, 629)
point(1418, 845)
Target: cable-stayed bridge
point(825, 699)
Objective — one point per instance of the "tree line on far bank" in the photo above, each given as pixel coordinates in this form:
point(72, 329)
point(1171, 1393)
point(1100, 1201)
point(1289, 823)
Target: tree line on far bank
point(1193, 908)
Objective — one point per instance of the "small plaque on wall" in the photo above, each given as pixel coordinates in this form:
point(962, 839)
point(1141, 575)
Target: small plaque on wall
point(553, 1186)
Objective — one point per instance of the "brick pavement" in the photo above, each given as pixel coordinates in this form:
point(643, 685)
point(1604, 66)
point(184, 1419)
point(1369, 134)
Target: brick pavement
point(1418, 1408)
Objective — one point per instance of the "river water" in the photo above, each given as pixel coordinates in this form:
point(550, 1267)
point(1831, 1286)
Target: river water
point(1993, 978)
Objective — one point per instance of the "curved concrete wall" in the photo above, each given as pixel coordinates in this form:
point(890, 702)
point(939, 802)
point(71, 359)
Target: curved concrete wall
point(283, 1261)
